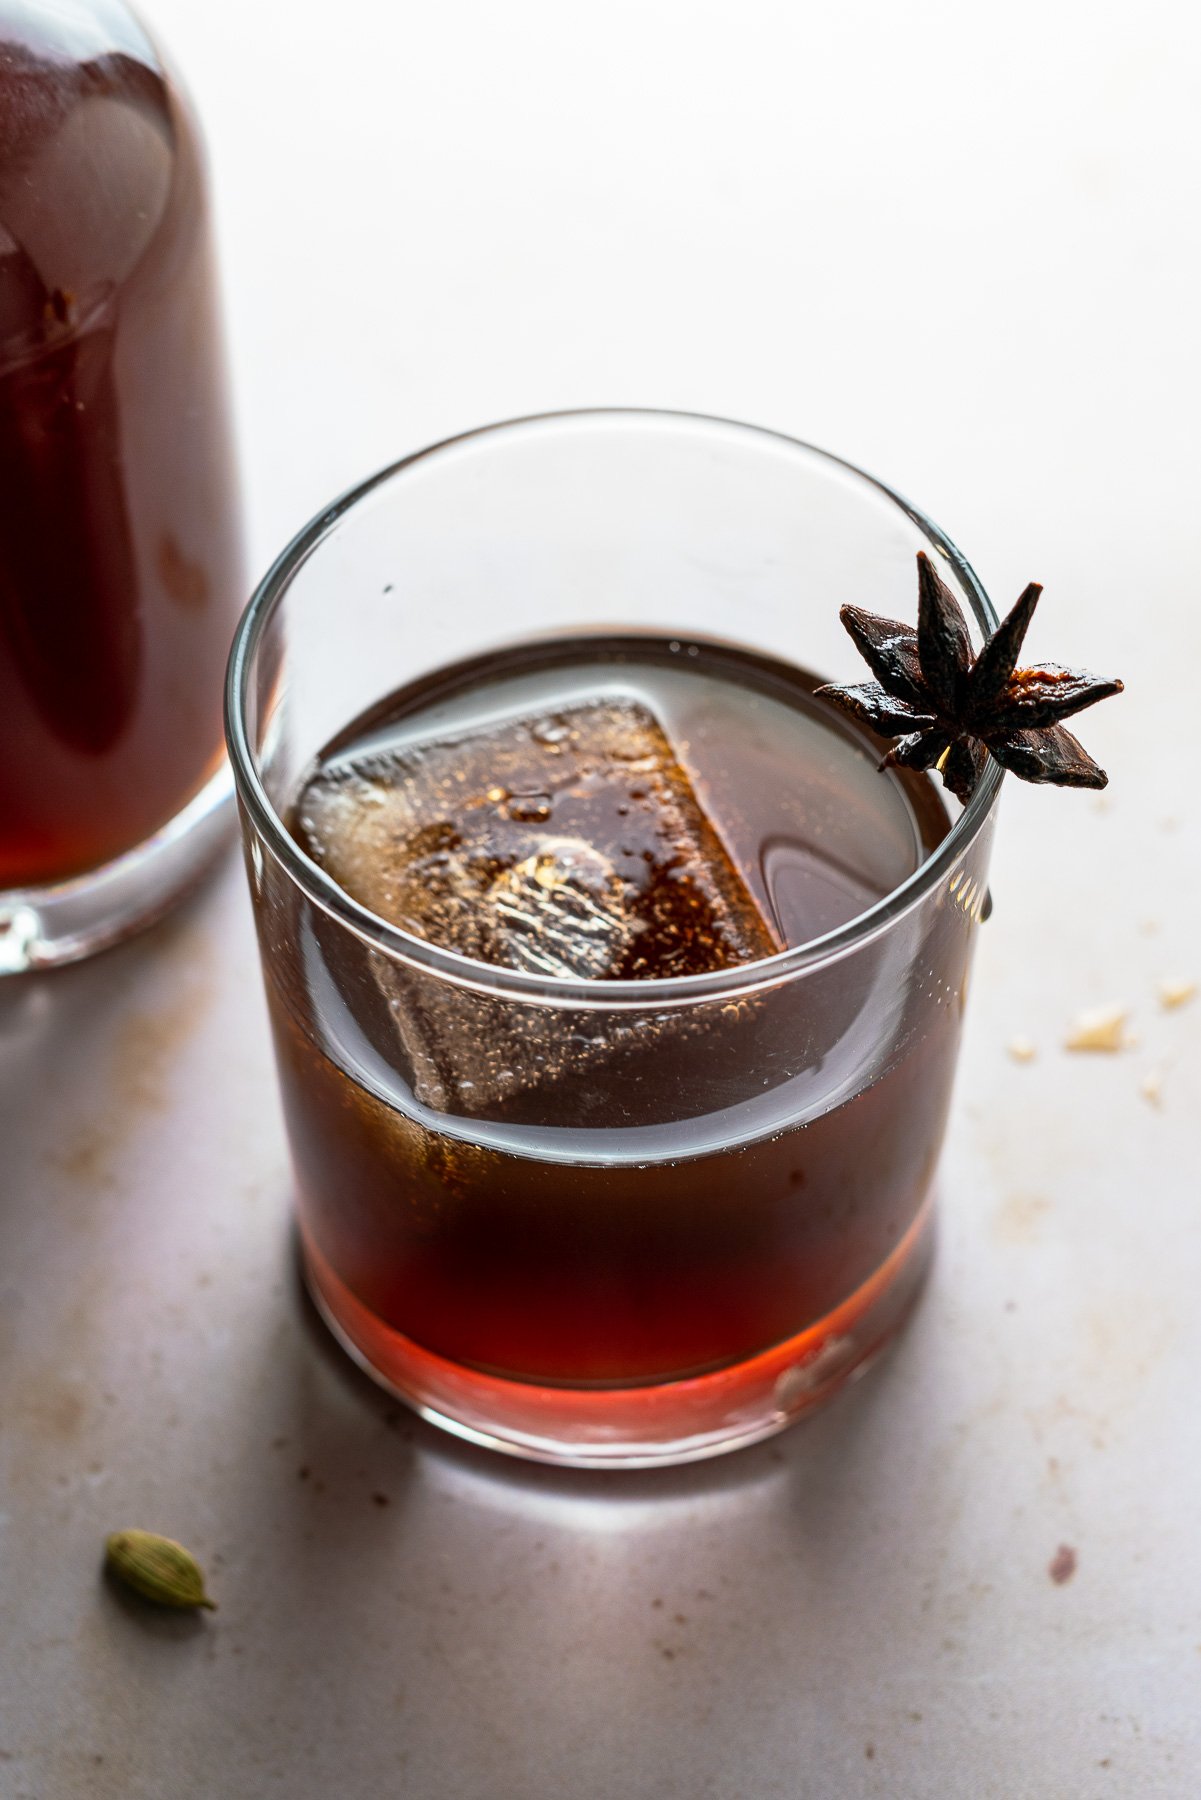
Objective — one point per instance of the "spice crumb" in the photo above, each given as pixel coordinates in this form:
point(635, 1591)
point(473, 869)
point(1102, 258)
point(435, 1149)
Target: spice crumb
point(1062, 1566)
point(1022, 1049)
point(869, 1750)
point(1100, 1028)
point(380, 1500)
point(1151, 1087)
point(1176, 993)
point(1148, 927)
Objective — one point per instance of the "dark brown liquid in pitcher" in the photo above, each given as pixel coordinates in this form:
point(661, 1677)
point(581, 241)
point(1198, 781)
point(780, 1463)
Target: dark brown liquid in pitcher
point(120, 574)
point(561, 1195)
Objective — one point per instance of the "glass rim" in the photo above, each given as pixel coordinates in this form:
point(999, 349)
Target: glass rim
point(588, 992)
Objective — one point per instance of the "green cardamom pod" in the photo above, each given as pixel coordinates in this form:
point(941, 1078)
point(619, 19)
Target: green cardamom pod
point(157, 1568)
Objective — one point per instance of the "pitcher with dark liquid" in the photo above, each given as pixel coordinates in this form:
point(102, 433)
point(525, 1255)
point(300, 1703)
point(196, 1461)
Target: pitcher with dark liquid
point(120, 555)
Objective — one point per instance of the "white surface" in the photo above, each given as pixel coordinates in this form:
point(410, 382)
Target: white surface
point(959, 245)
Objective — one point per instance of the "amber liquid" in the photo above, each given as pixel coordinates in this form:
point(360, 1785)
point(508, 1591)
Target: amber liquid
point(120, 574)
point(655, 1208)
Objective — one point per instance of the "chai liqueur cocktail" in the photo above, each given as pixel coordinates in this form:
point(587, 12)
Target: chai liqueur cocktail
point(628, 809)
point(616, 991)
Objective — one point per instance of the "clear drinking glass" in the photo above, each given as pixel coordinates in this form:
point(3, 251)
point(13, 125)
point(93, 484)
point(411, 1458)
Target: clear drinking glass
point(713, 1205)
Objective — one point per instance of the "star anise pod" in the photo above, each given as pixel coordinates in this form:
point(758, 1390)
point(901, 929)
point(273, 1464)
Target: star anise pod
point(950, 710)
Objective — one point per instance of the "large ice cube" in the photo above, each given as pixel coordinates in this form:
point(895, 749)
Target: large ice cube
point(568, 844)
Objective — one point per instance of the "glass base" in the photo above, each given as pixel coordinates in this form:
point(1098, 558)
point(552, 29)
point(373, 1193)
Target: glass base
point(66, 920)
point(637, 1427)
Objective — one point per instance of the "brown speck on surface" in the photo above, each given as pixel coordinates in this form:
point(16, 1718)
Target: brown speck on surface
point(279, 1443)
point(139, 1061)
point(1174, 993)
point(53, 1409)
point(680, 1618)
point(667, 1653)
point(183, 579)
point(380, 1500)
point(85, 1157)
point(657, 1603)
point(1062, 1565)
point(1104, 1762)
point(302, 1473)
point(1101, 1028)
point(869, 1750)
